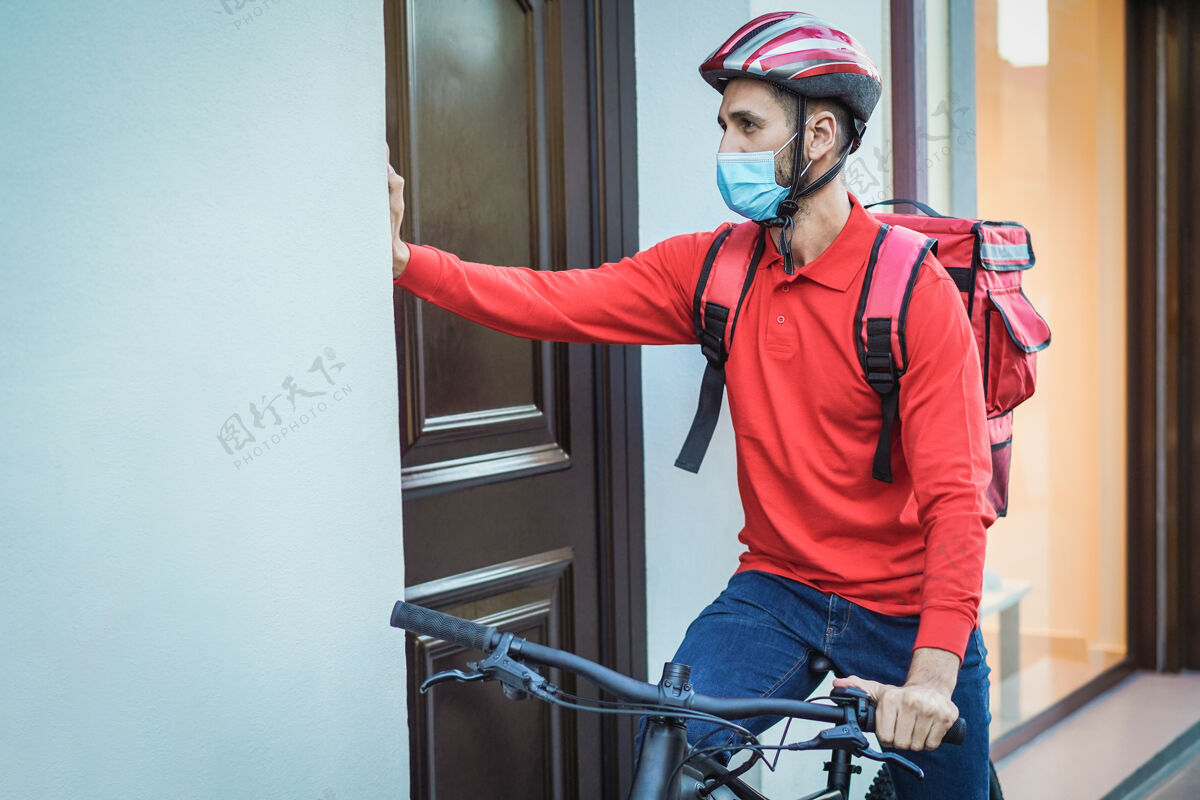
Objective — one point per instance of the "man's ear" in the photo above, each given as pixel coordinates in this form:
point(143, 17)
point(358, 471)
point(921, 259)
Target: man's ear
point(822, 135)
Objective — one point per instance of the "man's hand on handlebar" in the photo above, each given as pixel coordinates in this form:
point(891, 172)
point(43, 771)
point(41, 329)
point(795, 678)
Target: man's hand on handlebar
point(917, 715)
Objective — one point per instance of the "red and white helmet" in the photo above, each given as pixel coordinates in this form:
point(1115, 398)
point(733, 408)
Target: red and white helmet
point(803, 54)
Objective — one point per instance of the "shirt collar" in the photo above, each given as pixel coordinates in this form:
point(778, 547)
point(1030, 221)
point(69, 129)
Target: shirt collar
point(839, 263)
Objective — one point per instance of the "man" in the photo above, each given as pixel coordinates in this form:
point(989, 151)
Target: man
point(882, 578)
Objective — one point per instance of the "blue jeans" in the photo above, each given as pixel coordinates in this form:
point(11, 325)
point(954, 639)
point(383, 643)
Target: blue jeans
point(757, 637)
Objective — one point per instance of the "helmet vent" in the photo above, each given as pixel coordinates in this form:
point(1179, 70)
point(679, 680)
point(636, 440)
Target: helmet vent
point(750, 35)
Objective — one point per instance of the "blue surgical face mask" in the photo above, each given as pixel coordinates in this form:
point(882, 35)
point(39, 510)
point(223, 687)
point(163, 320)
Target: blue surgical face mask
point(747, 182)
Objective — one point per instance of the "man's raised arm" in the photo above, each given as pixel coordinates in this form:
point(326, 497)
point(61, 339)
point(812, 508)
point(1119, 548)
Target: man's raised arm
point(645, 299)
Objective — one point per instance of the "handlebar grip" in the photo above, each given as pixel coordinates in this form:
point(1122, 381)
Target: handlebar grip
point(456, 630)
point(957, 732)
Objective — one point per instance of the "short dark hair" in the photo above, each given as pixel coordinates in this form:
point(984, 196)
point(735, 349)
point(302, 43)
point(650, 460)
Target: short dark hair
point(789, 101)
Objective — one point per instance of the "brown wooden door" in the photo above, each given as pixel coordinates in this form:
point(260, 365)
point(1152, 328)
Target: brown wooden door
point(521, 460)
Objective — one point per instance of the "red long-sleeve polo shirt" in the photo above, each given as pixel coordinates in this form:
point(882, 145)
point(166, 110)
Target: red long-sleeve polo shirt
point(805, 420)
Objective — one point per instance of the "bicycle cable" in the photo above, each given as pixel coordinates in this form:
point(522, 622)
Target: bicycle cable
point(733, 749)
point(558, 697)
point(573, 701)
point(757, 748)
point(578, 703)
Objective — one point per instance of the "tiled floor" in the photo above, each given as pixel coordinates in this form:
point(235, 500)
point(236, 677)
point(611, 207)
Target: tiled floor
point(1090, 753)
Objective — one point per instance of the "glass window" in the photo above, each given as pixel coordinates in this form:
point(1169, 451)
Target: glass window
point(1050, 146)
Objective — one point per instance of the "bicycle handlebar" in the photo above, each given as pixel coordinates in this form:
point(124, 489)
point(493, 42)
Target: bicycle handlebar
point(470, 634)
point(455, 630)
point(465, 633)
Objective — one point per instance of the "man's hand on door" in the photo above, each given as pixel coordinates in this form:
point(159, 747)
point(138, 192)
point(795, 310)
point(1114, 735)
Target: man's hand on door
point(400, 252)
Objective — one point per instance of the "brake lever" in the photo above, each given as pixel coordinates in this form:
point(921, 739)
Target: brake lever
point(842, 737)
point(849, 736)
point(450, 675)
point(892, 758)
point(516, 679)
point(855, 705)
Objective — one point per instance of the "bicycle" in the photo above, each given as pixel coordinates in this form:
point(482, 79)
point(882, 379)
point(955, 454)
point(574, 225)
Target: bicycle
point(668, 769)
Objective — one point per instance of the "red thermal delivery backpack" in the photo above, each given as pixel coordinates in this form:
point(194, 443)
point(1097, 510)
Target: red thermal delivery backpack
point(984, 258)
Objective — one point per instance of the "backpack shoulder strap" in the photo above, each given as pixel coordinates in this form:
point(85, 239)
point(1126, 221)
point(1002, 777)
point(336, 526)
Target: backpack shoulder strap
point(725, 278)
point(892, 271)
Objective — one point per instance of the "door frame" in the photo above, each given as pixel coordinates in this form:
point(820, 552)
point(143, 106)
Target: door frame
point(618, 377)
point(1162, 119)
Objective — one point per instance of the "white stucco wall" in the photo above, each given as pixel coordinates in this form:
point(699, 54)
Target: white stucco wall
point(692, 520)
point(194, 209)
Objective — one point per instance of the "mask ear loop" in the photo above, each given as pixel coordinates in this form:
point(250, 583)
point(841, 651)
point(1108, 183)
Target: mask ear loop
point(788, 208)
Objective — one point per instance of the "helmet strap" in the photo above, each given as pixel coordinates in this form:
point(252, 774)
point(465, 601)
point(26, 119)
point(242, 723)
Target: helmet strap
point(789, 207)
point(797, 157)
point(829, 175)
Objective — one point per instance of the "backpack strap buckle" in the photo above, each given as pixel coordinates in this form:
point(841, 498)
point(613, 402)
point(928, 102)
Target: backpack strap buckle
point(881, 371)
point(712, 335)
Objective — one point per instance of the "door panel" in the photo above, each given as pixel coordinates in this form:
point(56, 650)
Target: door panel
point(474, 72)
point(473, 145)
point(520, 461)
point(530, 744)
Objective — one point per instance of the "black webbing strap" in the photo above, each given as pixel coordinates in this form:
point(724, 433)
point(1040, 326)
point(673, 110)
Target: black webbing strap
point(711, 323)
point(829, 175)
point(881, 374)
point(712, 389)
point(899, 201)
